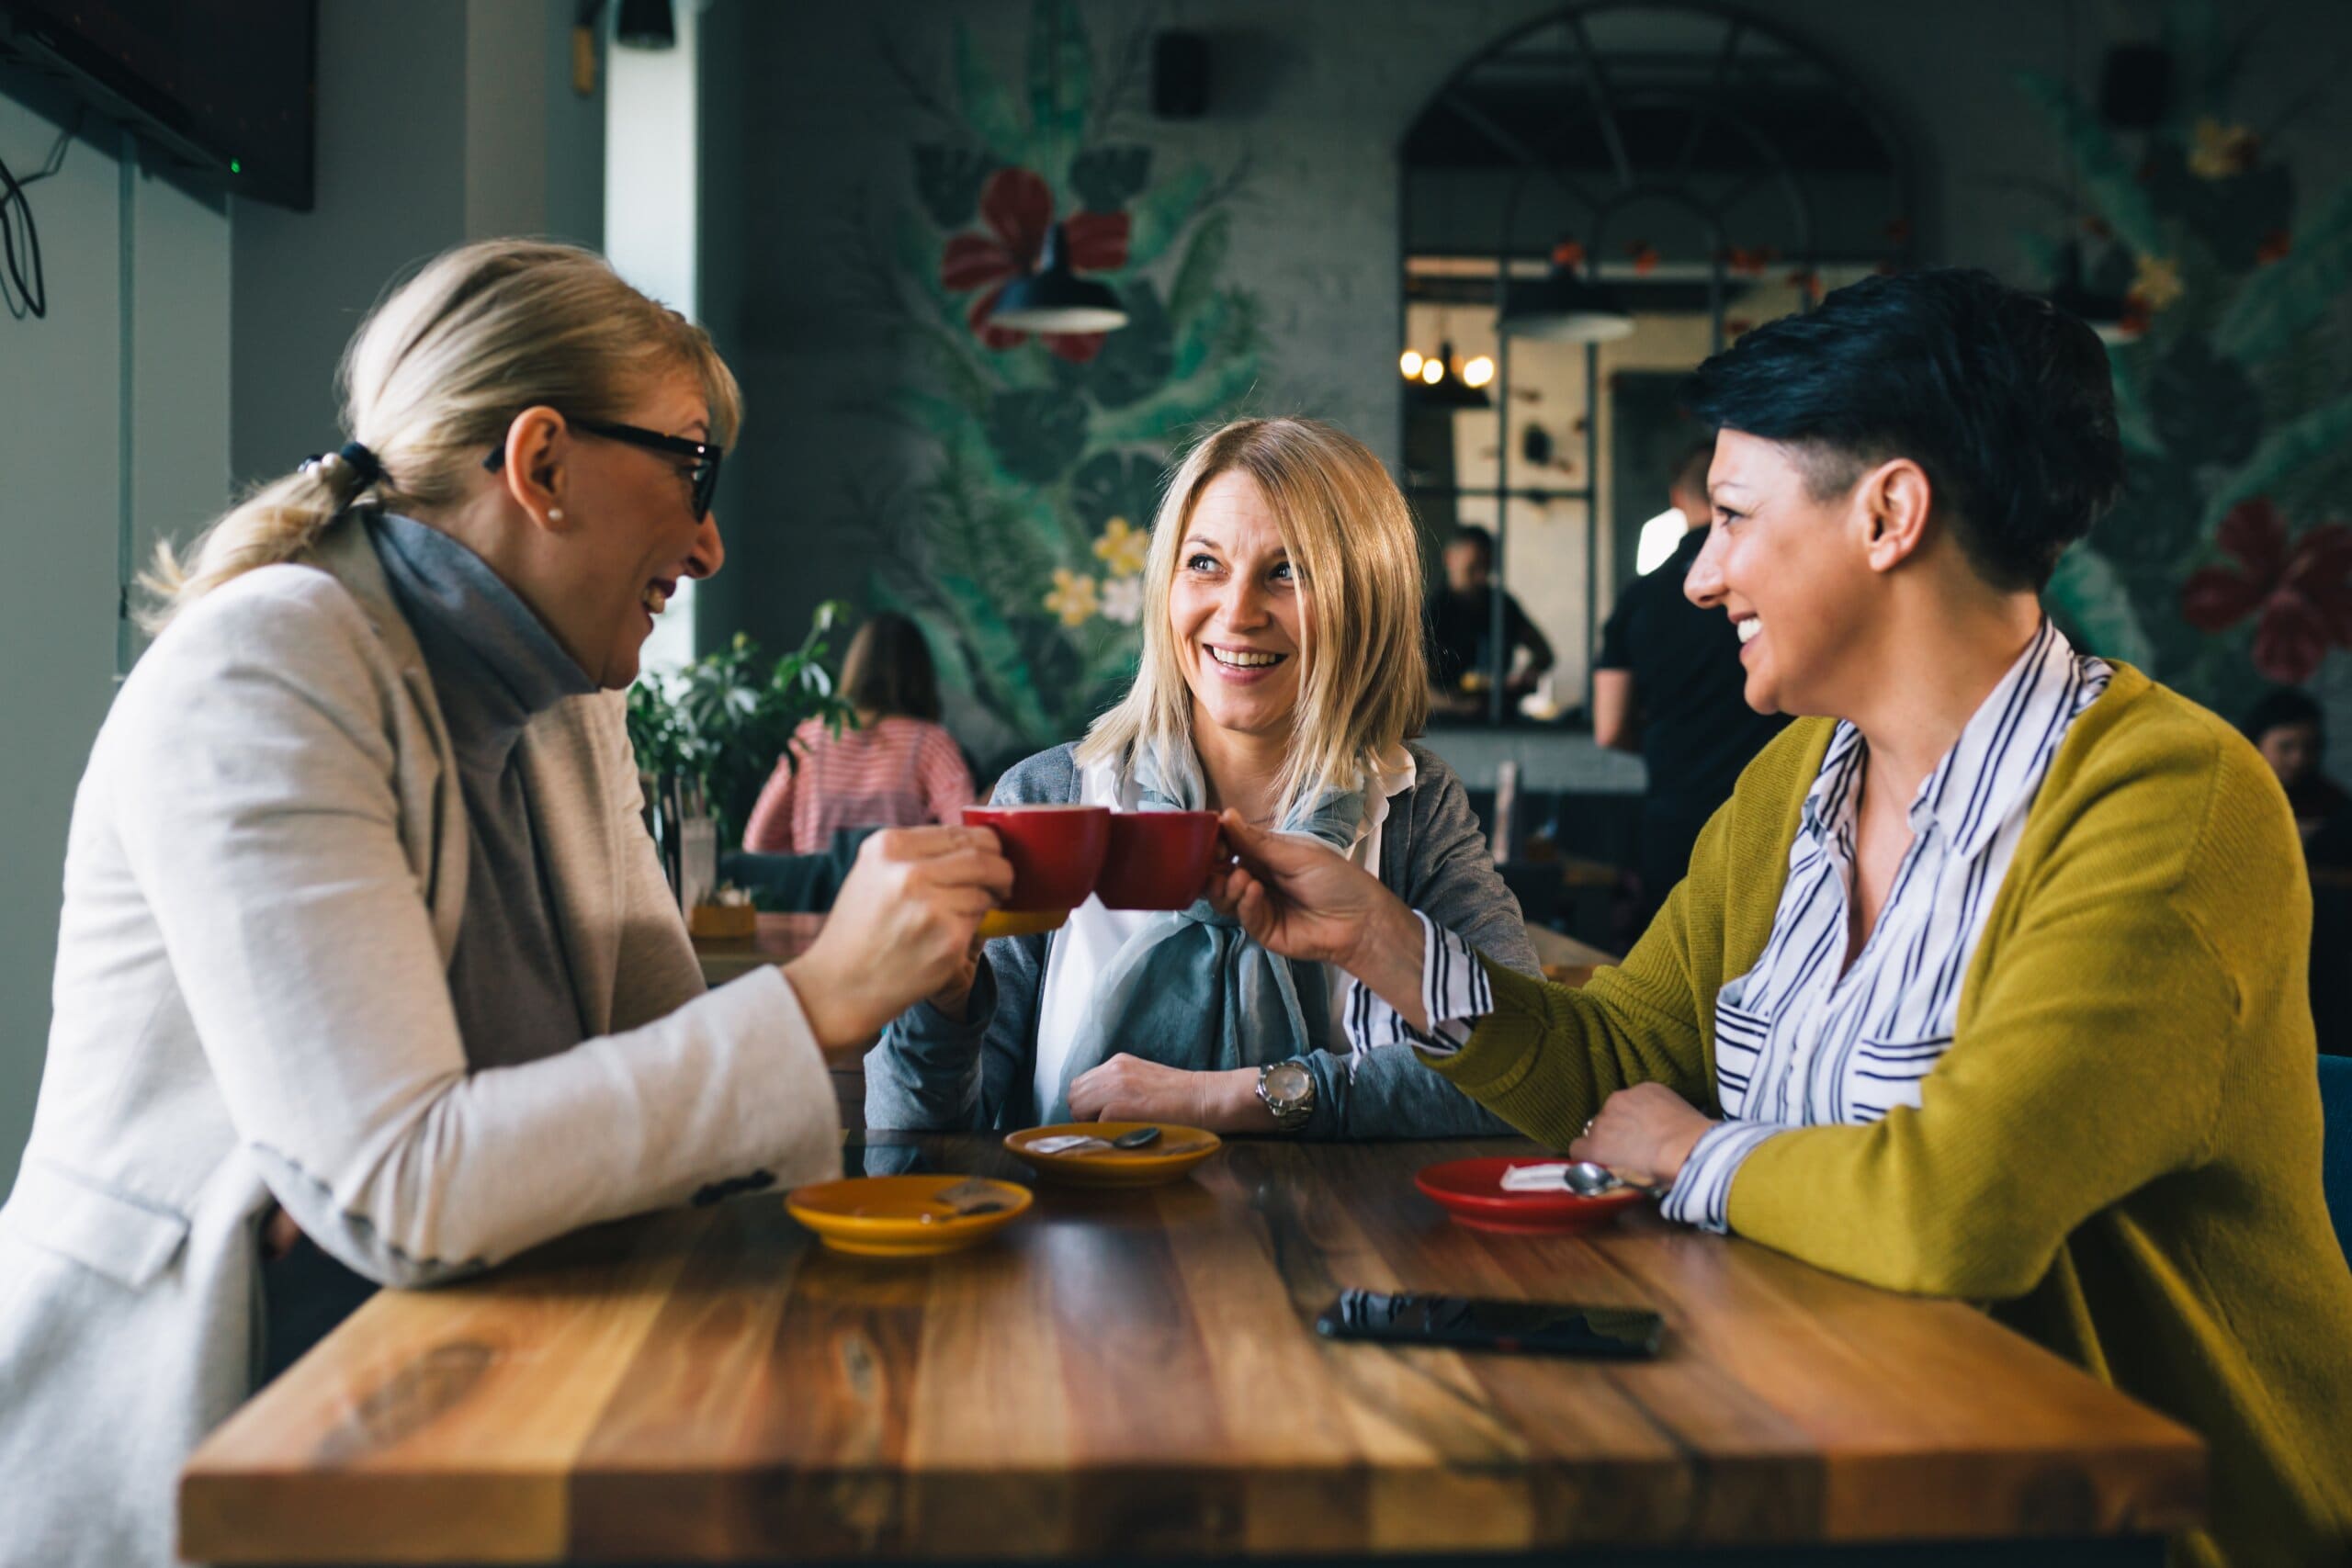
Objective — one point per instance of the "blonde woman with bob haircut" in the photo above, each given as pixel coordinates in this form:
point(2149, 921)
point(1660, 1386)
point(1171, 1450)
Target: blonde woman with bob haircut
point(1282, 676)
point(366, 973)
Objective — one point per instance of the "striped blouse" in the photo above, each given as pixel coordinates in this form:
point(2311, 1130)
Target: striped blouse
point(895, 773)
point(1797, 1042)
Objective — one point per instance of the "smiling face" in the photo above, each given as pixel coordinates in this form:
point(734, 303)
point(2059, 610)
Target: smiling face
point(1788, 571)
point(628, 536)
point(1236, 612)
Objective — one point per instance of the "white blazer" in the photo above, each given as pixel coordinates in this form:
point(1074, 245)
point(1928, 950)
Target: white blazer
point(263, 885)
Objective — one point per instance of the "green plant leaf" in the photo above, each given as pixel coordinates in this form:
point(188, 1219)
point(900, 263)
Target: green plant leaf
point(2282, 299)
point(2106, 176)
point(2316, 436)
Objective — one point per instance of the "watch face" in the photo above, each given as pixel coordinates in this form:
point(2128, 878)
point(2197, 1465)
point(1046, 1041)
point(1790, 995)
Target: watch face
point(1288, 1083)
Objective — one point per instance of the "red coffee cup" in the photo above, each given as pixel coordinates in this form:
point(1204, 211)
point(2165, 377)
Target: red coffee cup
point(1056, 850)
point(1157, 859)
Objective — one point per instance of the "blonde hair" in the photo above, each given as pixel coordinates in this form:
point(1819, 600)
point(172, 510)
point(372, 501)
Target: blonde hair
point(1364, 685)
point(434, 376)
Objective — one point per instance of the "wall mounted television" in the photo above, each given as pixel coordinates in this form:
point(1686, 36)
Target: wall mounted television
point(225, 88)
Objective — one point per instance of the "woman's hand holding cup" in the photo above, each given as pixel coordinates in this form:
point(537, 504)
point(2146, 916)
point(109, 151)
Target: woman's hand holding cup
point(900, 930)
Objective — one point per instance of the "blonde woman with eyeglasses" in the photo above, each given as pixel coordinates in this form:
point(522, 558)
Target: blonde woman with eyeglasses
point(366, 973)
point(1282, 675)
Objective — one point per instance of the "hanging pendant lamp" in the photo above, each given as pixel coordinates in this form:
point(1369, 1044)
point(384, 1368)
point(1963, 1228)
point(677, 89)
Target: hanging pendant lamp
point(1565, 307)
point(1054, 300)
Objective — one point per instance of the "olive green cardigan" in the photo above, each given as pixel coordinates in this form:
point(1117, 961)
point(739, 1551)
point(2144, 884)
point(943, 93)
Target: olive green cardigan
point(2122, 1147)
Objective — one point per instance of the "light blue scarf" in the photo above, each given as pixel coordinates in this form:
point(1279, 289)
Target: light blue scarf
point(1189, 989)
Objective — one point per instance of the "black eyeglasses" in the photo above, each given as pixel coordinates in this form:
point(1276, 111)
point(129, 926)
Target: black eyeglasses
point(702, 477)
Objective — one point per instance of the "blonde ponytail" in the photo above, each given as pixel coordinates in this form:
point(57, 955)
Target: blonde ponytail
point(429, 384)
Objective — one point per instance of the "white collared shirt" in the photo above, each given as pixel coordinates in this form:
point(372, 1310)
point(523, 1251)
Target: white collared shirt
point(1078, 952)
point(1797, 1042)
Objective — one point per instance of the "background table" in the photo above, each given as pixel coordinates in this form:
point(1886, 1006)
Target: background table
point(1133, 1375)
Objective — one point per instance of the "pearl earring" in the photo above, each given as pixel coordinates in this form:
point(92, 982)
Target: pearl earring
point(555, 514)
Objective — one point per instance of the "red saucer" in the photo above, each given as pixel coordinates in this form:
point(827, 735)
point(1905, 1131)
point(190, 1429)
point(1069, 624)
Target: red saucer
point(1471, 1191)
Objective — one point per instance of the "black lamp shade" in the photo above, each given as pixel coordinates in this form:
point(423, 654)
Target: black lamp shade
point(1056, 300)
point(647, 23)
point(1564, 308)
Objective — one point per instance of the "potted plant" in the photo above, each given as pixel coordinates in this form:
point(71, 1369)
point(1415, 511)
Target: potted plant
point(708, 736)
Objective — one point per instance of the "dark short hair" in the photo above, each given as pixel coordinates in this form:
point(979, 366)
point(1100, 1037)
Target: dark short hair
point(1471, 533)
point(1691, 468)
point(889, 670)
point(2004, 400)
point(2281, 707)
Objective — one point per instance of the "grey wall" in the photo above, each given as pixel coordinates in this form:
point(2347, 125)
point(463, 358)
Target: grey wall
point(808, 131)
point(439, 121)
point(113, 412)
point(190, 339)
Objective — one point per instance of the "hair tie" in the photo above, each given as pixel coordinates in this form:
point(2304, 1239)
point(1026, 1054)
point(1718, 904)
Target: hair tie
point(363, 464)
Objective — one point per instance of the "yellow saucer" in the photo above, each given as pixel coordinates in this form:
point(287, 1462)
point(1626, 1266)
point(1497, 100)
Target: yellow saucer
point(901, 1216)
point(1177, 1151)
point(1021, 922)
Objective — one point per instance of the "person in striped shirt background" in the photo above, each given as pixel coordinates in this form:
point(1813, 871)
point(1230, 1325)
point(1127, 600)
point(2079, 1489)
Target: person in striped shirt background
point(898, 769)
point(1989, 981)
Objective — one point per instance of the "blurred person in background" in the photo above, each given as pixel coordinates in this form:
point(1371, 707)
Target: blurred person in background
point(1668, 685)
point(898, 769)
point(1462, 625)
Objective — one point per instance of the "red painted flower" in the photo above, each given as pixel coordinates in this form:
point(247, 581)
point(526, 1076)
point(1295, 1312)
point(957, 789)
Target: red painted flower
point(2274, 247)
point(2300, 588)
point(1017, 210)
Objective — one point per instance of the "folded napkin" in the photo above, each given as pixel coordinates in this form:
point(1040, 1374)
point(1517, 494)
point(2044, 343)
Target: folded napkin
point(1551, 1176)
point(1077, 1144)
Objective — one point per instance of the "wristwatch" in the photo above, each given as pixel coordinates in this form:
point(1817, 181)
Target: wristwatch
point(1288, 1091)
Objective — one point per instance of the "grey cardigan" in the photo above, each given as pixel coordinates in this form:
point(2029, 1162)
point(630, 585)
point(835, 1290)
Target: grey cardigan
point(931, 1072)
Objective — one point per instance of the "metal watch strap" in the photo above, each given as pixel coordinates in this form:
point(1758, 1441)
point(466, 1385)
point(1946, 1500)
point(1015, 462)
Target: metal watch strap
point(1287, 1118)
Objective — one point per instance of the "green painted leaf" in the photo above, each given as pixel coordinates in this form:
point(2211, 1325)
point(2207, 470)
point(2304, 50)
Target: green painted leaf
point(2203, 405)
point(947, 182)
point(1136, 359)
point(1061, 70)
point(2133, 423)
point(1160, 215)
point(2282, 299)
point(1196, 277)
point(2108, 178)
point(988, 107)
point(1116, 484)
point(998, 663)
point(2090, 600)
point(2316, 436)
point(1037, 434)
point(1107, 178)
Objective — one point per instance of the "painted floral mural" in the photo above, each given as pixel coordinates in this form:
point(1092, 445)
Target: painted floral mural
point(1020, 546)
point(2224, 569)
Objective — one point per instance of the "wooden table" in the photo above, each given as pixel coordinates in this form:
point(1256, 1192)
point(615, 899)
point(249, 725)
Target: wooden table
point(1134, 1375)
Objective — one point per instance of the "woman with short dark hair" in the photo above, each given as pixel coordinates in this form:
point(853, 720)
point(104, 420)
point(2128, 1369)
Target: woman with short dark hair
point(1987, 982)
point(897, 769)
